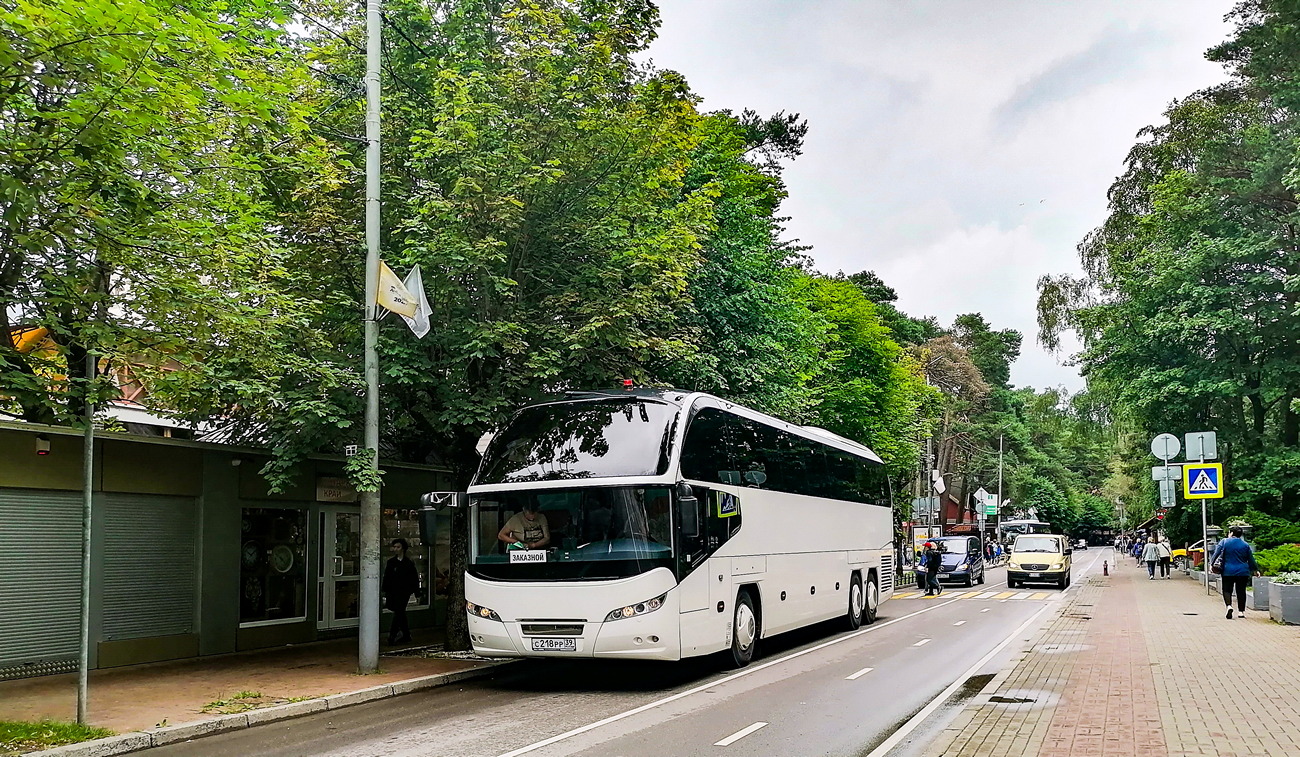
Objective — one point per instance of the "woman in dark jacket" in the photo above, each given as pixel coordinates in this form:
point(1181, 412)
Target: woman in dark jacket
point(1238, 566)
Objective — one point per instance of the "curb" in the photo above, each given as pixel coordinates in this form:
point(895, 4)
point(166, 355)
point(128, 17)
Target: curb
point(155, 737)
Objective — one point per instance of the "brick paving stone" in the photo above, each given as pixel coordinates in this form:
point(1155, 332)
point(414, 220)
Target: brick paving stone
point(1127, 666)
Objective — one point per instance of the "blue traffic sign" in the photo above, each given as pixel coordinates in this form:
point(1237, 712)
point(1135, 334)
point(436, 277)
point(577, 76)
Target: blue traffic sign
point(1203, 480)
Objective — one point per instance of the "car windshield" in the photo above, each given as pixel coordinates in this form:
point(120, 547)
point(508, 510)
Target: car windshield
point(556, 534)
point(620, 436)
point(953, 546)
point(1037, 544)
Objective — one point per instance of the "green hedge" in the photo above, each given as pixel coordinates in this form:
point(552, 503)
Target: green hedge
point(1283, 559)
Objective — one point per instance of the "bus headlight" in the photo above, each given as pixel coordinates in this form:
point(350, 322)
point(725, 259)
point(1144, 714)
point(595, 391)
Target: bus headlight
point(481, 611)
point(640, 608)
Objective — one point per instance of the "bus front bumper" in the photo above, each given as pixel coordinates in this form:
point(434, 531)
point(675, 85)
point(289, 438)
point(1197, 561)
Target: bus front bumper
point(653, 636)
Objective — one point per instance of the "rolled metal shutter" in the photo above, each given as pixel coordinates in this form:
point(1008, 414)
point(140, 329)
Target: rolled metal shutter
point(40, 582)
point(149, 566)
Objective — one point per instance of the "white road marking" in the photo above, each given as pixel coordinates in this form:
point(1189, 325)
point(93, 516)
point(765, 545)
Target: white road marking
point(1023, 595)
point(938, 701)
point(960, 623)
point(921, 643)
point(986, 609)
point(986, 595)
point(738, 735)
point(858, 674)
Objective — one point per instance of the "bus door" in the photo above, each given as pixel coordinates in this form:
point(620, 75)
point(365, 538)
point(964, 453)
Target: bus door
point(723, 520)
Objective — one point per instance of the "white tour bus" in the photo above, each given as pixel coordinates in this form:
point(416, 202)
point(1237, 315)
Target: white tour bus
point(665, 524)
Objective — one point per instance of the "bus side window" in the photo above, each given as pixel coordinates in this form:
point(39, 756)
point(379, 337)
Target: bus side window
point(706, 453)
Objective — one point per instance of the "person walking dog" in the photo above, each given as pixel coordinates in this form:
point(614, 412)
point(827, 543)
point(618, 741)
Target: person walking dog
point(1234, 561)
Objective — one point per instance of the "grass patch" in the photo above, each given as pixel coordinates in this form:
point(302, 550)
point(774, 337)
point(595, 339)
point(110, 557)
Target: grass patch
point(17, 736)
point(249, 700)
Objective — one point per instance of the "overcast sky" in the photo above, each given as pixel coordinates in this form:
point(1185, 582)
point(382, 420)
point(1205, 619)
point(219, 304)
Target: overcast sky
point(959, 148)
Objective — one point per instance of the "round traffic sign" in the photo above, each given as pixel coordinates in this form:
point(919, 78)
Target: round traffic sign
point(1166, 446)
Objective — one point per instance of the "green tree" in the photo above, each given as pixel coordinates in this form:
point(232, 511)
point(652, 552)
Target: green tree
point(144, 150)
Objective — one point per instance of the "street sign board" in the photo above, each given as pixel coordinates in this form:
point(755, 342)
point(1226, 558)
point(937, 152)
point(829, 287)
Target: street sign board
point(1168, 492)
point(1202, 445)
point(1165, 446)
point(1167, 472)
point(981, 495)
point(1203, 480)
point(991, 507)
point(925, 507)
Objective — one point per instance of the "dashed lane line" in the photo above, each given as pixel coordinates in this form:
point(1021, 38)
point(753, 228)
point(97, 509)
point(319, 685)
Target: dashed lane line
point(738, 735)
point(858, 674)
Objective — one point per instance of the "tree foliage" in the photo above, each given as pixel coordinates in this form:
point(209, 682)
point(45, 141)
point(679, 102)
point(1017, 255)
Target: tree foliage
point(1189, 307)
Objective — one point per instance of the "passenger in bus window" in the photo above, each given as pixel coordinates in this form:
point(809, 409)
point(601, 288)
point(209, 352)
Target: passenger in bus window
point(528, 528)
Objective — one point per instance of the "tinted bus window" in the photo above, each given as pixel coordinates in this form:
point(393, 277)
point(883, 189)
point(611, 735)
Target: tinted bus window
point(706, 453)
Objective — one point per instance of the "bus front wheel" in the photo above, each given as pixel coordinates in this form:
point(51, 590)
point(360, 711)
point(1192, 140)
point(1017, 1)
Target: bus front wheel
point(744, 636)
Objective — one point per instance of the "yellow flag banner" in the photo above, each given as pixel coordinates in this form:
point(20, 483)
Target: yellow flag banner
point(393, 294)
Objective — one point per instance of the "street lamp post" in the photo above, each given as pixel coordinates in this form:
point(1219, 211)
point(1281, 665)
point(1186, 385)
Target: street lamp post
point(368, 630)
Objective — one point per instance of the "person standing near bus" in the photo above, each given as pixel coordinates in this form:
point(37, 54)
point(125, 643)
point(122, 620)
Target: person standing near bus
point(401, 580)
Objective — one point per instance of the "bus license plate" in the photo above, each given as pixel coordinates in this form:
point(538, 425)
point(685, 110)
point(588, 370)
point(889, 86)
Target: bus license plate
point(555, 645)
point(1035, 575)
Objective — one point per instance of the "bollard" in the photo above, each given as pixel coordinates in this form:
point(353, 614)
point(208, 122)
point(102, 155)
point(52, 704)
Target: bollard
point(1105, 568)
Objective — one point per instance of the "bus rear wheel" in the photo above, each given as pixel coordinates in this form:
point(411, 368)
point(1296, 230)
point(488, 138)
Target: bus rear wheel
point(857, 603)
point(744, 635)
point(871, 600)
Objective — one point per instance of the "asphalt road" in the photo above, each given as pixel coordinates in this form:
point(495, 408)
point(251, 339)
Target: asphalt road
point(818, 691)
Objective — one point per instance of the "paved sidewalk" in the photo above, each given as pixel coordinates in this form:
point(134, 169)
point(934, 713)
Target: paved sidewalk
point(1113, 672)
point(144, 696)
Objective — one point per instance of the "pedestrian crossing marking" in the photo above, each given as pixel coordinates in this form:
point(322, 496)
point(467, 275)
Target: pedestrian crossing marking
point(1001, 596)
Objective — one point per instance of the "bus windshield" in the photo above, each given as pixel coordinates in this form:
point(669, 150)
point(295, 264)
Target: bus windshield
point(575, 440)
point(608, 532)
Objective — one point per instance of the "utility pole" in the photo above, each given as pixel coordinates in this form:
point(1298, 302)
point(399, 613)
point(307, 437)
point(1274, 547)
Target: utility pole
point(999, 519)
point(87, 498)
point(368, 631)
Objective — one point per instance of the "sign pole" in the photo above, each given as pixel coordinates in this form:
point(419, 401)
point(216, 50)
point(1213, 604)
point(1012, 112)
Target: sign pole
point(1205, 532)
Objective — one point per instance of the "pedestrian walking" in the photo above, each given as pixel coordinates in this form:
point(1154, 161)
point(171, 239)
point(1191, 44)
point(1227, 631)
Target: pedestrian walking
point(1151, 556)
point(401, 580)
point(933, 561)
point(1166, 557)
point(1235, 561)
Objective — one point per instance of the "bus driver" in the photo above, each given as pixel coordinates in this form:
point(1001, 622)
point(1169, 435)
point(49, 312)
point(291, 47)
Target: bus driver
point(528, 528)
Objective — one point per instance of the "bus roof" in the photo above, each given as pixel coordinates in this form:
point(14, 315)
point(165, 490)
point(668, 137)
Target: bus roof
point(684, 399)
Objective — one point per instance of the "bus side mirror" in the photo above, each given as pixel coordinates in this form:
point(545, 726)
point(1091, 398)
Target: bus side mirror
point(441, 500)
point(689, 505)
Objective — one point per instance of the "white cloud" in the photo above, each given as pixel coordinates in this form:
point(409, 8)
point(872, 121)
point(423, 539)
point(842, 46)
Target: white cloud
point(960, 149)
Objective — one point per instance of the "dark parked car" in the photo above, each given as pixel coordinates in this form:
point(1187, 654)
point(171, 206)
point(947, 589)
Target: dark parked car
point(963, 559)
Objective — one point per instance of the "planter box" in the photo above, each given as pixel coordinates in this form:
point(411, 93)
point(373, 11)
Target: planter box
point(1198, 576)
point(1284, 603)
point(1259, 592)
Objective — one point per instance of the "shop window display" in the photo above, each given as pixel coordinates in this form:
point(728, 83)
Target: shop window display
point(273, 565)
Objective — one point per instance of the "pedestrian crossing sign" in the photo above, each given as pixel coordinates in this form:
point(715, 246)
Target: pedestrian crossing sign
point(1203, 480)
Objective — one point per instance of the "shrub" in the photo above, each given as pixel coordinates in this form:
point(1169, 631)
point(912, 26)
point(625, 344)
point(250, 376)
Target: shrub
point(1290, 579)
point(1283, 559)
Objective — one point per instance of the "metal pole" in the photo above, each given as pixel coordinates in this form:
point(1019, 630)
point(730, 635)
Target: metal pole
point(368, 632)
point(87, 487)
point(1205, 536)
point(999, 521)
